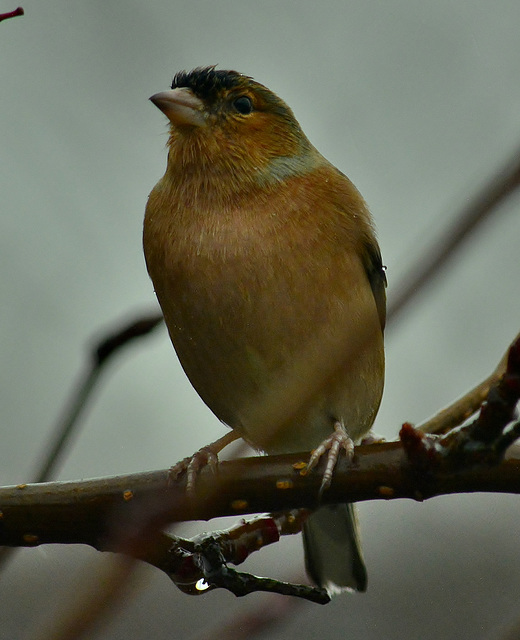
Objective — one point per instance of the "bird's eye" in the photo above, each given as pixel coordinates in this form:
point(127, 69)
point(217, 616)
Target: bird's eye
point(243, 105)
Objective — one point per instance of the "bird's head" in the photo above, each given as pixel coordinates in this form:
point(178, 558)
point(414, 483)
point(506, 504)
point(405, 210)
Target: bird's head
point(225, 119)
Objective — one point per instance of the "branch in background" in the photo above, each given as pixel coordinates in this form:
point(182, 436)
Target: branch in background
point(100, 355)
point(464, 224)
point(255, 621)
point(92, 604)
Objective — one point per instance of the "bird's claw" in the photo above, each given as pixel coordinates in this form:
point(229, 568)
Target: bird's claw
point(339, 439)
point(204, 457)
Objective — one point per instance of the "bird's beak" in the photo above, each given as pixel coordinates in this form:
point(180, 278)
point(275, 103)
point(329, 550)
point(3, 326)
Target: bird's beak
point(180, 106)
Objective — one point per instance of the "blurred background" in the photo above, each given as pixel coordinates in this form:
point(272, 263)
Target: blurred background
point(419, 104)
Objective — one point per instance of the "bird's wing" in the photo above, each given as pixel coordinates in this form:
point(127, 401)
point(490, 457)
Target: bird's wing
point(377, 278)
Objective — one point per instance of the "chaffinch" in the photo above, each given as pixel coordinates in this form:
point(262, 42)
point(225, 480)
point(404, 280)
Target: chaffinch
point(265, 263)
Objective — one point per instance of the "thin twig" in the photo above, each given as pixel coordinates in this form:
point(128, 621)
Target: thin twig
point(463, 408)
point(11, 14)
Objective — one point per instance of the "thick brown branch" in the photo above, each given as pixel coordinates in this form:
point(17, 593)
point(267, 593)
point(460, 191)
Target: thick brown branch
point(85, 511)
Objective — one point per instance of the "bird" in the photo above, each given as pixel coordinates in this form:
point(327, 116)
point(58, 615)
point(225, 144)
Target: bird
point(265, 263)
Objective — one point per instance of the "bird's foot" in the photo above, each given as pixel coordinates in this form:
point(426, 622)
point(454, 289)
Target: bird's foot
point(205, 457)
point(338, 440)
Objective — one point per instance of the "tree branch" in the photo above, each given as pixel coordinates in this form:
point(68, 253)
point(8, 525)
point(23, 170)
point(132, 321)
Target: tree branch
point(83, 511)
point(127, 514)
point(11, 14)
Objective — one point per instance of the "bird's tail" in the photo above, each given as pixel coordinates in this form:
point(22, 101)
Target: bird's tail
point(333, 556)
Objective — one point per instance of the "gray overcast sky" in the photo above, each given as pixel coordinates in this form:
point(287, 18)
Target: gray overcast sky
point(418, 102)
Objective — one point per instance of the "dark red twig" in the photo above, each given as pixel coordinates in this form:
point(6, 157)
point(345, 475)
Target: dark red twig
point(11, 14)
